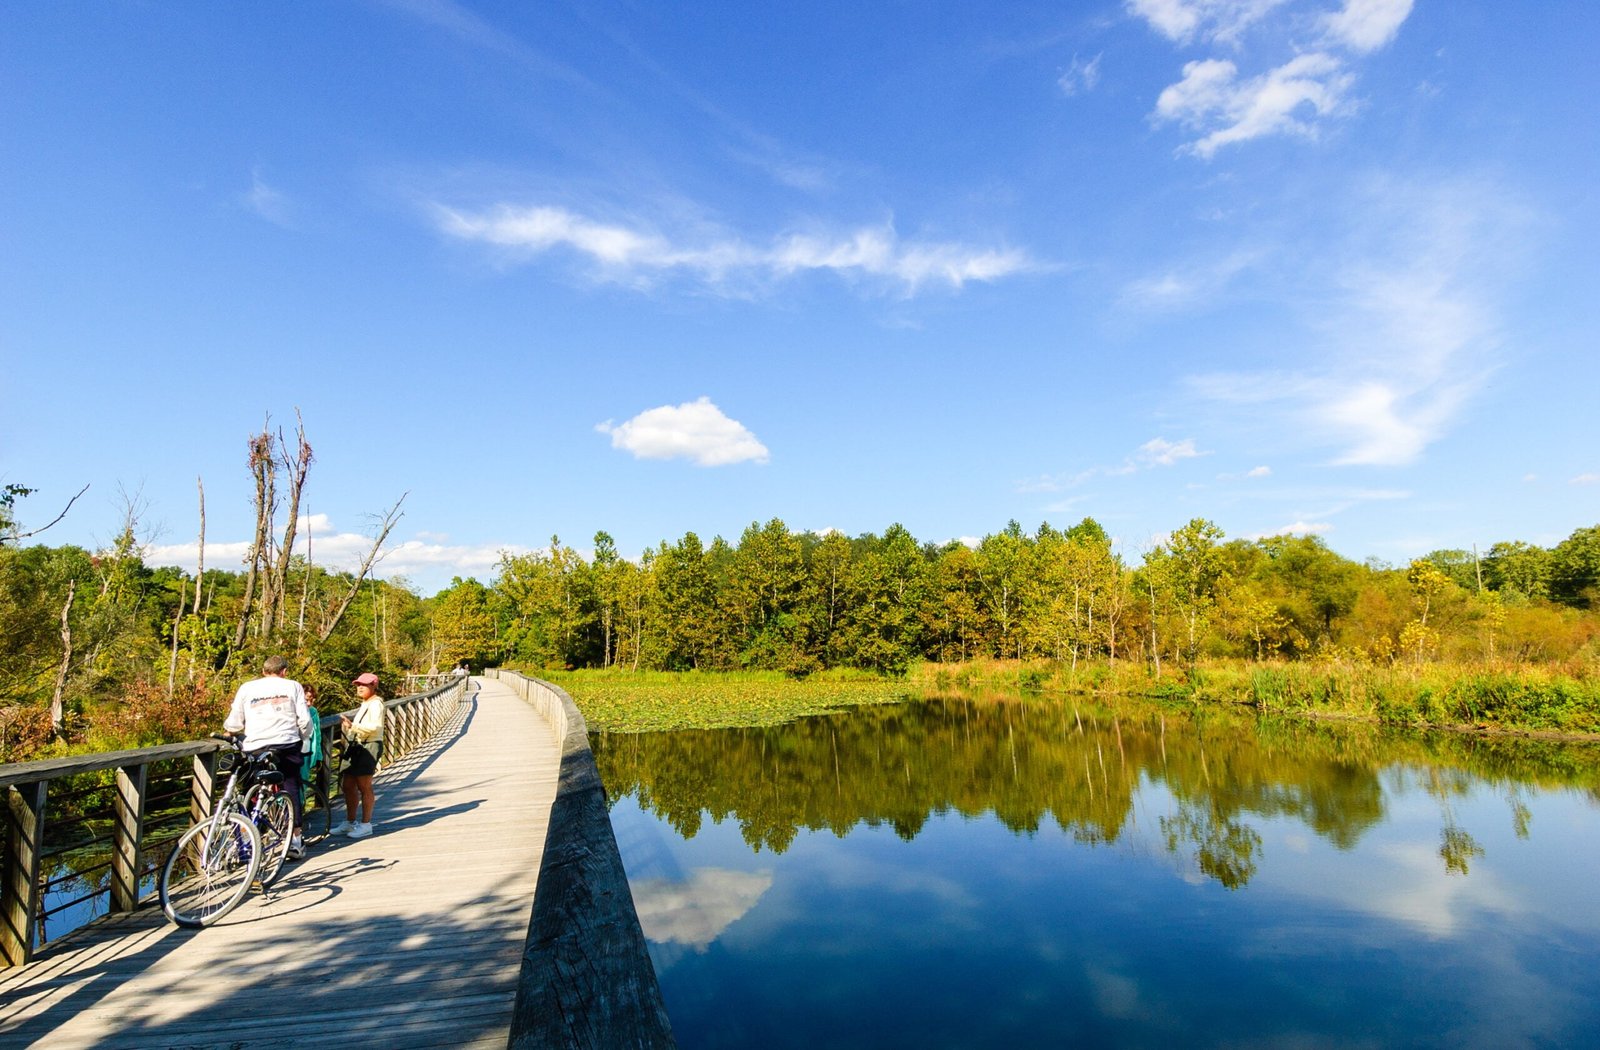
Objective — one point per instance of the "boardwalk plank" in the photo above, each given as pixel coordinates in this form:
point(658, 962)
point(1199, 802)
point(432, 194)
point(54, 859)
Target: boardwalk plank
point(410, 938)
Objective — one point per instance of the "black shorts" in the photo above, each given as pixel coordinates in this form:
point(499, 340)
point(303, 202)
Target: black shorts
point(360, 760)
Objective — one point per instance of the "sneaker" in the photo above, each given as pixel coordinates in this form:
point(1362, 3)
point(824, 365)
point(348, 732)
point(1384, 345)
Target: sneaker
point(297, 848)
point(360, 831)
point(343, 829)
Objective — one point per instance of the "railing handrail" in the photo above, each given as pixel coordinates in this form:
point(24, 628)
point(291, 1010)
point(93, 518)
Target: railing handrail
point(409, 721)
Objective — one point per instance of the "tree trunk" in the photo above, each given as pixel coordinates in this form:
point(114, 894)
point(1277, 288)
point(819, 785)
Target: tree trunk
point(261, 466)
point(58, 710)
point(297, 467)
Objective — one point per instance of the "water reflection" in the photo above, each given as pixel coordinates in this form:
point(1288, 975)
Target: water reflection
point(1081, 768)
point(952, 874)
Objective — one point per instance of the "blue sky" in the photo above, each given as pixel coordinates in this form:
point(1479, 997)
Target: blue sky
point(552, 268)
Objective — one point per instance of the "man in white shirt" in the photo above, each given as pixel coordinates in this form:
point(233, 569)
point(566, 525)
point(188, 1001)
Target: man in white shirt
point(271, 713)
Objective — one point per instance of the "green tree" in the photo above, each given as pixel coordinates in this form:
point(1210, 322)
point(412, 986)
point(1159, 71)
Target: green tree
point(1575, 569)
point(1518, 571)
point(887, 591)
point(688, 597)
point(1003, 564)
point(463, 625)
point(1189, 568)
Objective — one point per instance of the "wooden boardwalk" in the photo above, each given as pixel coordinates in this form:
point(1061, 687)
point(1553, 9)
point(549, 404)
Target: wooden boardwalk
point(410, 938)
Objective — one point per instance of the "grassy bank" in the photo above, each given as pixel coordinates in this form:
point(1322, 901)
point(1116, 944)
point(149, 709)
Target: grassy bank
point(1478, 696)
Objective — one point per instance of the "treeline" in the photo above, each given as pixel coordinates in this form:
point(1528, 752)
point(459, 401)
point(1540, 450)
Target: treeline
point(801, 602)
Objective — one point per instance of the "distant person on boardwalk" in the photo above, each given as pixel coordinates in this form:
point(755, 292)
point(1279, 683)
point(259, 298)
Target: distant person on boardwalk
point(272, 714)
point(363, 746)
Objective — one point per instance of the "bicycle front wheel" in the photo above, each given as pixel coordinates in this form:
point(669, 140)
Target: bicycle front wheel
point(274, 817)
point(210, 870)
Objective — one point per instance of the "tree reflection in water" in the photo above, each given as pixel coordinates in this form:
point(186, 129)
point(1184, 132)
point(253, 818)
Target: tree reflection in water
point(1026, 761)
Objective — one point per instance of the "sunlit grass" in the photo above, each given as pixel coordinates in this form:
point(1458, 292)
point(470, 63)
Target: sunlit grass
point(634, 702)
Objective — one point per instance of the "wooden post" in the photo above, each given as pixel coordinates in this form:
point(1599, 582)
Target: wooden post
point(127, 836)
point(20, 892)
point(200, 786)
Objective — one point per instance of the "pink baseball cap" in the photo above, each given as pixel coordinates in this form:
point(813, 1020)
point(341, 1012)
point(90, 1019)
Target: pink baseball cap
point(366, 678)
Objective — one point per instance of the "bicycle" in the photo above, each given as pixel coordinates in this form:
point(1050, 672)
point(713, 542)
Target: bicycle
point(243, 842)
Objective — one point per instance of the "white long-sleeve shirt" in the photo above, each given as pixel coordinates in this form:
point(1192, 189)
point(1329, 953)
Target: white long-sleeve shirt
point(367, 726)
point(269, 710)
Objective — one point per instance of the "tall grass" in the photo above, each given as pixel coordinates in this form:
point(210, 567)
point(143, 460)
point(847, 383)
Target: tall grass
point(1483, 695)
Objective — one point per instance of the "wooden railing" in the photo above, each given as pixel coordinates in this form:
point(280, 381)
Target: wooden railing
point(587, 979)
point(147, 811)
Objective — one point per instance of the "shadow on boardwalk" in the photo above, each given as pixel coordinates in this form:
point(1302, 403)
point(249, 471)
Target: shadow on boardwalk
point(377, 941)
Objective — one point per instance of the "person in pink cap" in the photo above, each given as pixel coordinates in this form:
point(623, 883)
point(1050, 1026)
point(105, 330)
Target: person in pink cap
point(363, 746)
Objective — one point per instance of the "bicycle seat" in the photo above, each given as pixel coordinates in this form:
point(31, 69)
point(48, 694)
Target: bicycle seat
point(267, 776)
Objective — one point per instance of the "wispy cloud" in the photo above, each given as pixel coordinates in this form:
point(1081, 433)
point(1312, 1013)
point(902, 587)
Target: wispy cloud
point(1081, 77)
point(267, 202)
point(1223, 106)
point(1408, 319)
point(1586, 479)
point(475, 31)
point(1157, 452)
point(696, 430)
point(1188, 286)
point(630, 253)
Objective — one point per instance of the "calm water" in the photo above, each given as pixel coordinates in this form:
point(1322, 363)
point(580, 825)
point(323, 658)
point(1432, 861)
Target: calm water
point(1020, 874)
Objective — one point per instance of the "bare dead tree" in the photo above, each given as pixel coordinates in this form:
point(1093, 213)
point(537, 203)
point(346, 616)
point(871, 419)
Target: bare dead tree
point(262, 466)
point(24, 535)
point(199, 582)
point(296, 467)
point(200, 567)
point(58, 708)
point(305, 589)
point(389, 521)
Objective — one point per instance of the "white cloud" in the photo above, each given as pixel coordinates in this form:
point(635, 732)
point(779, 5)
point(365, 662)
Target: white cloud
point(697, 911)
point(1081, 77)
point(1211, 99)
point(1298, 528)
point(1586, 479)
point(1159, 452)
point(1184, 21)
point(1258, 472)
point(425, 554)
point(626, 253)
point(1366, 25)
point(695, 430)
point(1223, 107)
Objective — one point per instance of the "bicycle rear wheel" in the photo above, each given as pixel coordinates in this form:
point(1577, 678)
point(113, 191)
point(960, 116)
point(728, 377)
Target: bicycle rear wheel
point(274, 817)
point(210, 870)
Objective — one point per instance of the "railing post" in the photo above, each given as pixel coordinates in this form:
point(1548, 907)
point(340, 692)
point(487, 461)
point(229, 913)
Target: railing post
point(127, 836)
point(200, 786)
point(20, 892)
